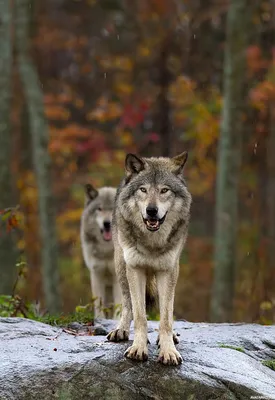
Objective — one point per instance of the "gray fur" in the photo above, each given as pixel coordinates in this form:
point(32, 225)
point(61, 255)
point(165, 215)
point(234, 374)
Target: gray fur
point(97, 252)
point(146, 247)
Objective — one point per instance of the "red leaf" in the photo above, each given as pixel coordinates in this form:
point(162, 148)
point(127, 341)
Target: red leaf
point(153, 137)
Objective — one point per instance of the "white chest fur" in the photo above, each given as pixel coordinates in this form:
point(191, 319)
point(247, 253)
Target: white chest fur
point(139, 256)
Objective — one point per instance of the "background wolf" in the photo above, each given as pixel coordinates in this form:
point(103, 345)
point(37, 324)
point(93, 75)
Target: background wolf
point(150, 224)
point(97, 246)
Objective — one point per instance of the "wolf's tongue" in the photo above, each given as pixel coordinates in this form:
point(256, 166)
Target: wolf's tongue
point(107, 235)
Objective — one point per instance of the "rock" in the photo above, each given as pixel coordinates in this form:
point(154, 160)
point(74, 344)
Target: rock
point(84, 329)
point(99, 330)
point(76, 326)
point(221, 361)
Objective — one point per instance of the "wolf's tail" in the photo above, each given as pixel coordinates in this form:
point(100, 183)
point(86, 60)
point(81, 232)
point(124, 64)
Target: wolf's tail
point(151, 292)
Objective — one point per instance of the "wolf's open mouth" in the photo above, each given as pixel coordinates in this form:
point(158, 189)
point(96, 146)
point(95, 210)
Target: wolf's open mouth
point(153, 224)
point(107, 234)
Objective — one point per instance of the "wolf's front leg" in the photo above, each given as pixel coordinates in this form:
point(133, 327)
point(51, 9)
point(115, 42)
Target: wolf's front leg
point(166, 283)
point(137, 284)
point(122, 331)
point(98, 282)
point(117, 296)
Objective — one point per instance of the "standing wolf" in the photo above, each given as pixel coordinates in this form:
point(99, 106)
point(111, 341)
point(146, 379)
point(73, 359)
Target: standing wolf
point(97, 245)
point(150, 224)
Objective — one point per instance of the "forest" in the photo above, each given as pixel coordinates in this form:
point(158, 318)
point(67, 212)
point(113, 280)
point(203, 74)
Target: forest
point(83, 83)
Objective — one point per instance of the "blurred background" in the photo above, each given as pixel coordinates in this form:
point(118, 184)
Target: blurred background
point(83, 82)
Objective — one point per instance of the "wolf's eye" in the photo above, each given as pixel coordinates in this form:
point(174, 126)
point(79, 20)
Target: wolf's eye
point(164, 190)
point(99, 209)
point(143, 190)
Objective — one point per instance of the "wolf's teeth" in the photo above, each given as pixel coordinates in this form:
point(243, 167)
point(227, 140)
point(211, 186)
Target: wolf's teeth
point(152, 224)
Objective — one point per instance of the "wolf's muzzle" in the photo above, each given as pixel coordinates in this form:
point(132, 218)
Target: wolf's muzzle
point(153, 223)
point(107, 225)
point(152, 211)
point(106, 231)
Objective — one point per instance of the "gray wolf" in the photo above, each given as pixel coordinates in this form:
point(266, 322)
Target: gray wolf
point(97, 246)
point(150, 223)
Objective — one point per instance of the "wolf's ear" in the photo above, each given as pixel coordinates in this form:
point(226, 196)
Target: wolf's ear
point(179, 161)
point(91, 192)
point(133, 164)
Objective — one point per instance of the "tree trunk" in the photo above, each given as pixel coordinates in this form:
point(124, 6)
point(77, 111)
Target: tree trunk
point(40, 137)
point(163, 107)
point(270, 275)
point(229, 158)
point(270, 281)
point(32, 252)
point(8, 251)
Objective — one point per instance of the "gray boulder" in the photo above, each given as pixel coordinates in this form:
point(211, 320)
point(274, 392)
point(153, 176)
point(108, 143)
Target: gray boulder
point(221, 361)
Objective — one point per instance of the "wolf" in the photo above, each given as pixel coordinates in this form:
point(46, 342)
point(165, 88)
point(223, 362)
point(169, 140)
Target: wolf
point(150, 224)
point(97, 246)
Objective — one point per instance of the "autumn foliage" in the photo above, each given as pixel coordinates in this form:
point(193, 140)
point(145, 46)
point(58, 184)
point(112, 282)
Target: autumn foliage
point(100, 68)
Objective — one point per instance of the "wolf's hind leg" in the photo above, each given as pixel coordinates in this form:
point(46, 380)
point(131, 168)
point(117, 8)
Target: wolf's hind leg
point(98, 292)
point(166, 283)
point(117, 298)
point(137, 284)
point(122, 331)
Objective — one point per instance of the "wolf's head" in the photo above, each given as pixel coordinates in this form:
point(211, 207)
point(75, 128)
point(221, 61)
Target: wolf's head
point(155, 189)
point(99, 206)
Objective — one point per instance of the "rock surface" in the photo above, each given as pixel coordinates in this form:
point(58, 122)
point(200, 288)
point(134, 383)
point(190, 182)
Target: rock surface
point(40, 362)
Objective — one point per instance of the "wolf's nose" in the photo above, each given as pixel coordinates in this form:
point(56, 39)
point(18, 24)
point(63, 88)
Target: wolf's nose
point(152, 211)
point(107, 225)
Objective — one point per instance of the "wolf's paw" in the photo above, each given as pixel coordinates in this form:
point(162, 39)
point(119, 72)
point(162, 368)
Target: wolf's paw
point(137, 352)
point(118, 335)
point(175, 339)
point(169, 356)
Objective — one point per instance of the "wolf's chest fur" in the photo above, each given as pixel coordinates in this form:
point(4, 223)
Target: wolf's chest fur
point(99, 256)
point(151, 251)
point(97, 253)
